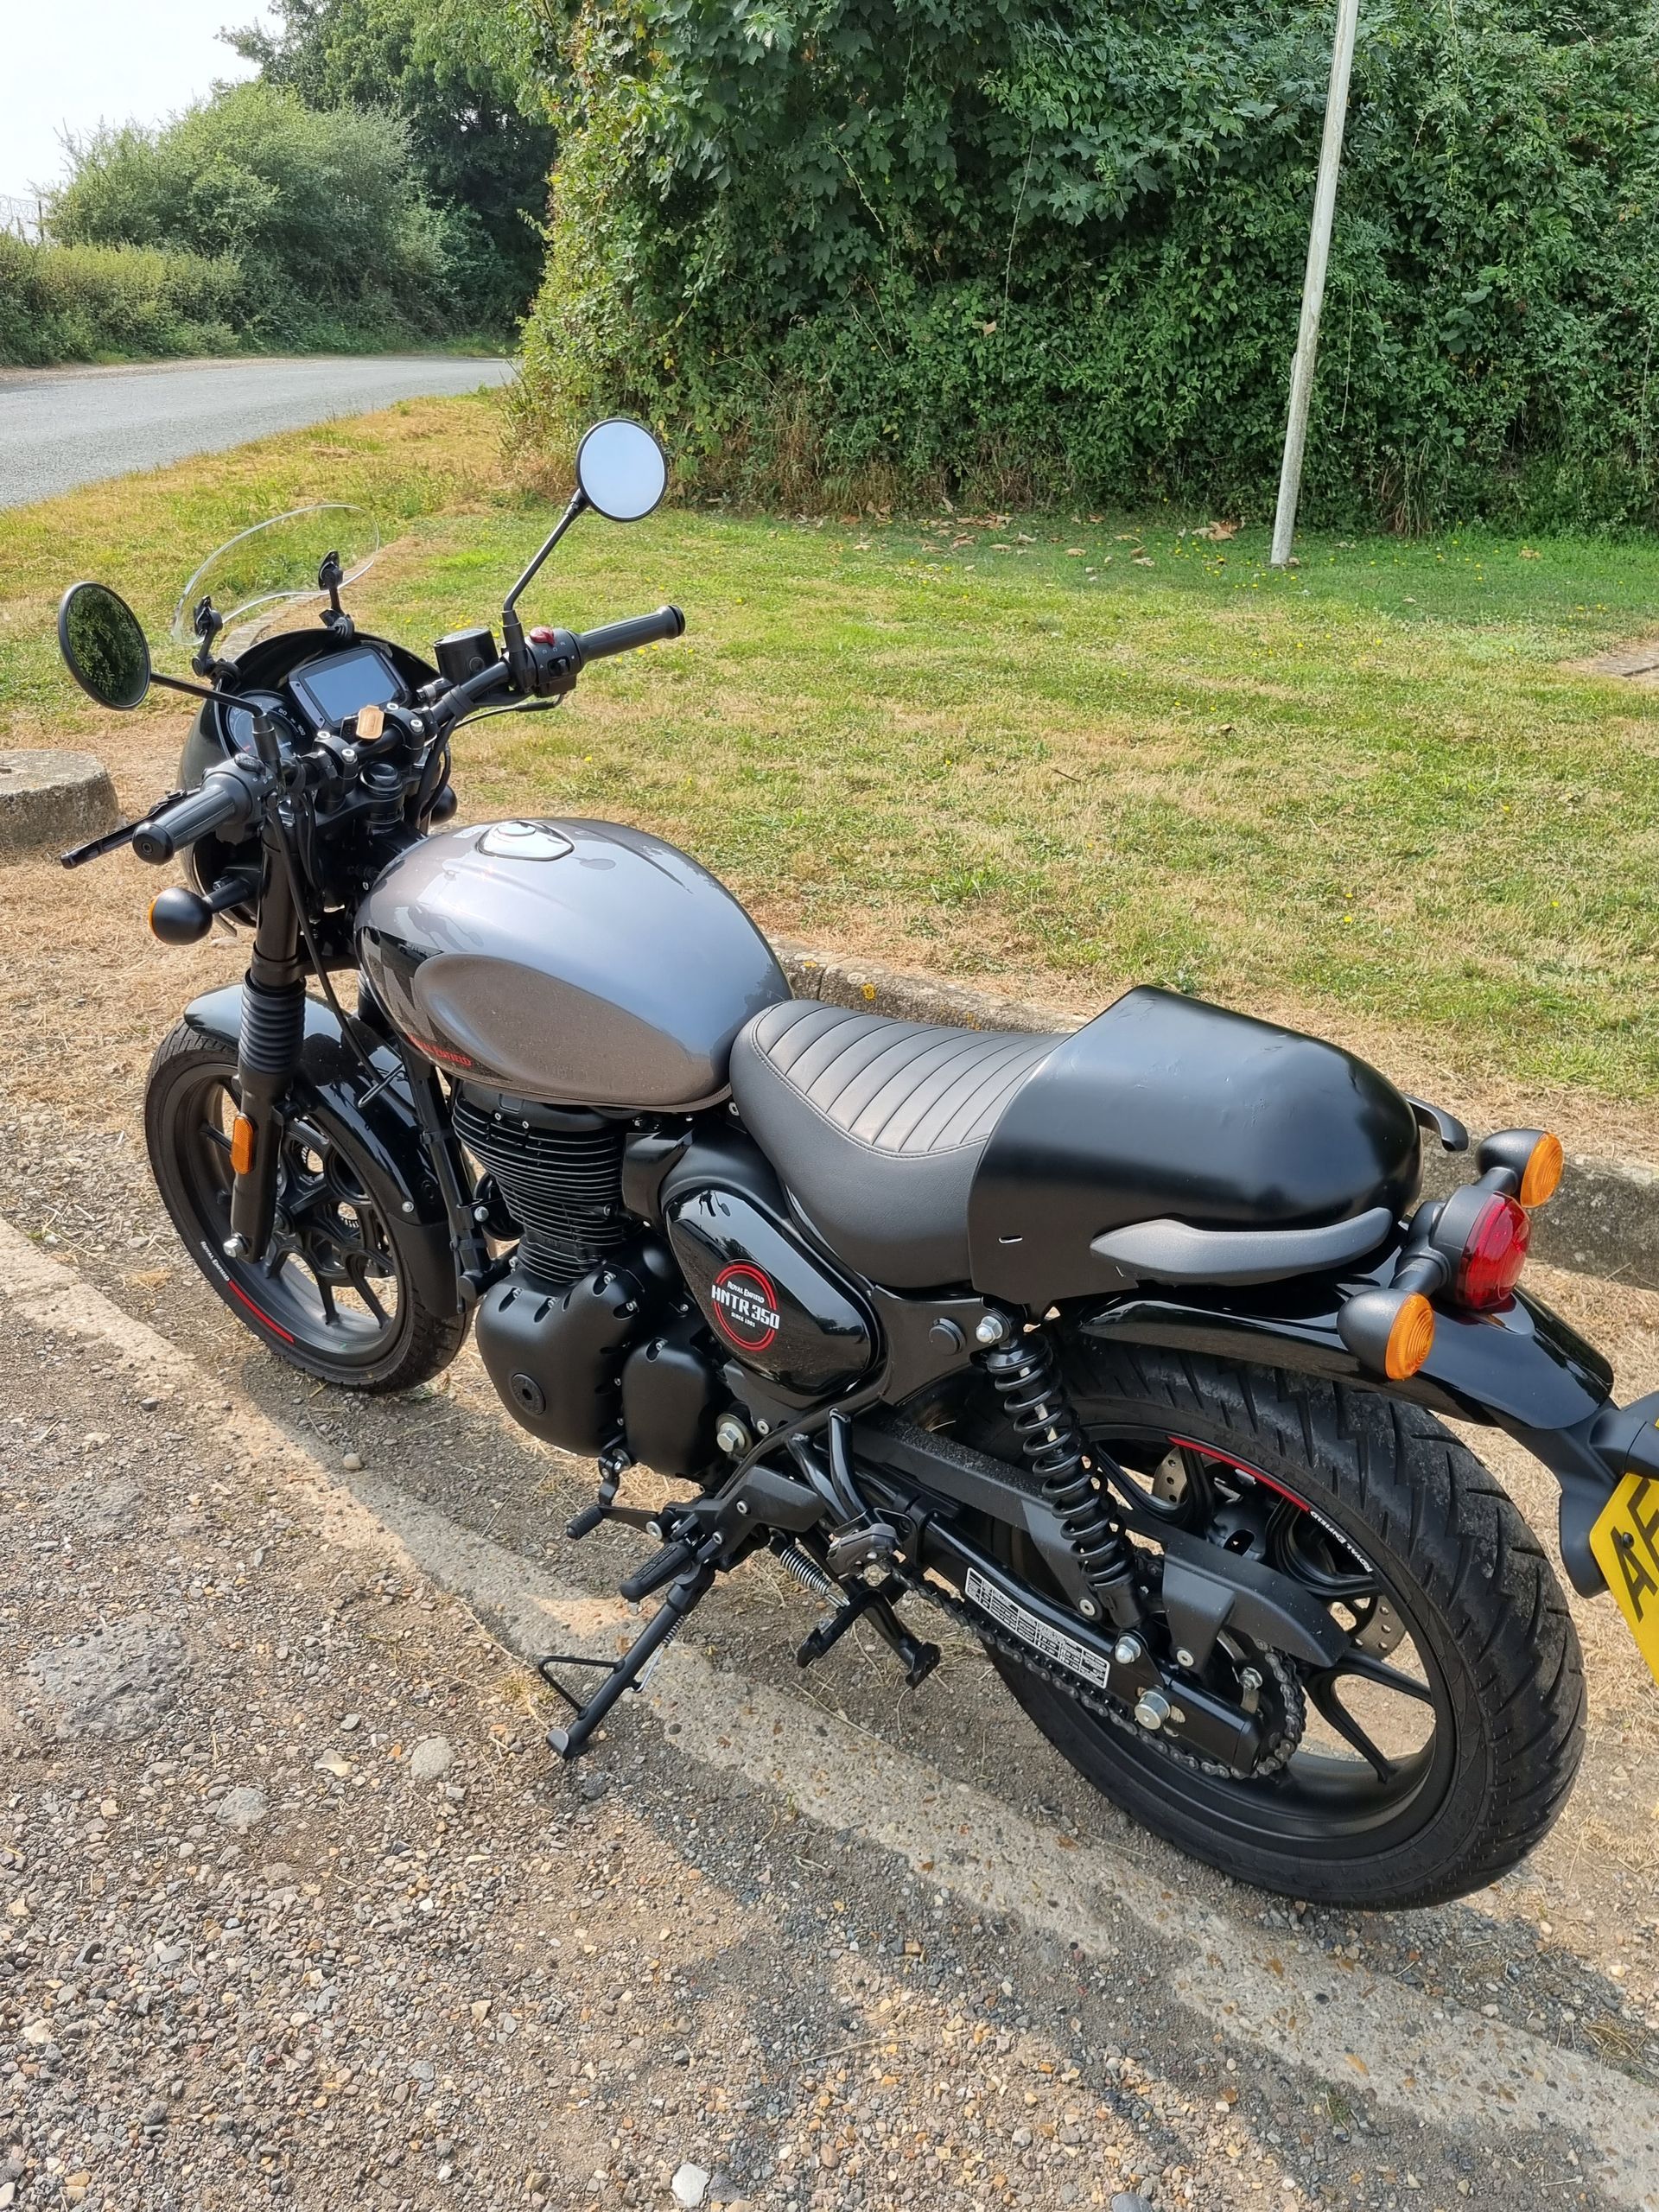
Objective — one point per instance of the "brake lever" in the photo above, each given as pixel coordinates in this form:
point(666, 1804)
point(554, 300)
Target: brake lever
point(78, 855)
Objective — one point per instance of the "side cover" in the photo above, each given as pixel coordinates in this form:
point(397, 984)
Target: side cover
point(1164, 1108)
point(779, 1310)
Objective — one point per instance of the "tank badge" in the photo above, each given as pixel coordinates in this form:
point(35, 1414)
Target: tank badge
point(746, 1306)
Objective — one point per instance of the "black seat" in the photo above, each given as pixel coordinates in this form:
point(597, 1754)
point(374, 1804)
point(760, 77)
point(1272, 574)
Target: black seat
point(1167, 1141)
point(876, 1127)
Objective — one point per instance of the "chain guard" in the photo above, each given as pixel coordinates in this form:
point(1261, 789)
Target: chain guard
point(997, 1638)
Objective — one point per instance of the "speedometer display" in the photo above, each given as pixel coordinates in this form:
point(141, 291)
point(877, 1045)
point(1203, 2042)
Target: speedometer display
point(342, 684)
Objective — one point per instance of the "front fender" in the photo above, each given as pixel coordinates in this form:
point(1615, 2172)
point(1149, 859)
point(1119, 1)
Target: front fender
point(1524, 1370)
point(382, 1135)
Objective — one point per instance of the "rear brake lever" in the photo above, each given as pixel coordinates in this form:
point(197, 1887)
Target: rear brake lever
point(78, 855)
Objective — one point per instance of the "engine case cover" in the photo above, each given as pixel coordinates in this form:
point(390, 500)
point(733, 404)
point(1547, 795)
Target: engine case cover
point(554, 1355)
point(773, 1305)
point(580, 962)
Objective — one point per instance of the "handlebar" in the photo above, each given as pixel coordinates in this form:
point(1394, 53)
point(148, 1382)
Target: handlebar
point(230, 797)
point(623, 636)
point(227, 796)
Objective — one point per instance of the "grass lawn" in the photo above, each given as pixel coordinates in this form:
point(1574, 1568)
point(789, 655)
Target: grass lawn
point(1371, 795)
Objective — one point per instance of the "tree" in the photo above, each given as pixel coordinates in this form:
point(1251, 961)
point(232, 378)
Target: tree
point(321, 212)
point(467, 81)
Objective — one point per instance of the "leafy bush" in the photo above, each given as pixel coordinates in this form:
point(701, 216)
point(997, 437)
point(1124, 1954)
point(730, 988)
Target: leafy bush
point(463, 76)
point(320, 211)
point(79, 302)
point(868, 250)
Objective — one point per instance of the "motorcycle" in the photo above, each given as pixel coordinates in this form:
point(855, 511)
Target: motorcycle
point(1129, 1351)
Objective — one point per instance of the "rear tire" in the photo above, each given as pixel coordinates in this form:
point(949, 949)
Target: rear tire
point(347, 1256)
point(1485, 1617)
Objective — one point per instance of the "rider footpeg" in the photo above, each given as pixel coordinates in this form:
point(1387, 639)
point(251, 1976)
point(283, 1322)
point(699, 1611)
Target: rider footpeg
point(672, 1560)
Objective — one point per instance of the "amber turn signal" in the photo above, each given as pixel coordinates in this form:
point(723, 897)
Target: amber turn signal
point(1411, 1340)
point(1542, 1176)
point(242, 1144)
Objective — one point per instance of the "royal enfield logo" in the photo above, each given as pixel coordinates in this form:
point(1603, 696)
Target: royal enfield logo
point(746, 1306)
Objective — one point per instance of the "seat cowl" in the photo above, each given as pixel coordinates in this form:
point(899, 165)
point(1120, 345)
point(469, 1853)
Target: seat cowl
point(1164, 1108)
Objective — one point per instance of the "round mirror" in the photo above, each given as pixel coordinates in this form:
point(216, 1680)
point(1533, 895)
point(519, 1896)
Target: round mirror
point(103, 642)
point(621, 469)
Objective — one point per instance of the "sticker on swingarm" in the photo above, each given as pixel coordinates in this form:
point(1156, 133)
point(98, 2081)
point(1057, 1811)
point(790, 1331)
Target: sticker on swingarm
point(1035, 1632)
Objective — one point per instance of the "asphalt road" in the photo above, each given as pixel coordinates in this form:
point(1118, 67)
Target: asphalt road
point(63, 427)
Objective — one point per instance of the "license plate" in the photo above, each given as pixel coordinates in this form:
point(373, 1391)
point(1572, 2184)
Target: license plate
point(1626, 1541)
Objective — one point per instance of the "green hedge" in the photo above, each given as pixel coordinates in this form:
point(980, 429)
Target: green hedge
point(320, 211)
point(869, 251)
point(85, 302)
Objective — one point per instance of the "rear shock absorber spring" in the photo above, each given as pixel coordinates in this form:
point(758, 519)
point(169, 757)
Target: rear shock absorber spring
point(1027, 1379)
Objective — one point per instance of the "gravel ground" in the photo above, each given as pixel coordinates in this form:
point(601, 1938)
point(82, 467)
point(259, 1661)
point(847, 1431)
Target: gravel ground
point(295, 1905)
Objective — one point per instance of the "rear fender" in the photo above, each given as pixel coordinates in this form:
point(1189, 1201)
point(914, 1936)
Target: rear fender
point(1525, 1371)
point(383, 1133)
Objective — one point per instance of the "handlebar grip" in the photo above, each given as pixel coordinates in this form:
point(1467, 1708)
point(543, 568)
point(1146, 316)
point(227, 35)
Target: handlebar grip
point(623, 636)
point(224, 797)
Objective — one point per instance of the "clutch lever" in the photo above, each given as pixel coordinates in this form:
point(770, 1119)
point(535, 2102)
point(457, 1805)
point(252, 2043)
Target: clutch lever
point(78, 855)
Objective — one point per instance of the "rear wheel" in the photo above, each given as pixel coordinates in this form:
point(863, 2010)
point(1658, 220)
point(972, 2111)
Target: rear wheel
point(334, 1293)
point(1441, 1748)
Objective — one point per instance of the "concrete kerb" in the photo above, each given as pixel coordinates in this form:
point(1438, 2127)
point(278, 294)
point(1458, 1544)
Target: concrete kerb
point(51, 796)
point(1605, 1221)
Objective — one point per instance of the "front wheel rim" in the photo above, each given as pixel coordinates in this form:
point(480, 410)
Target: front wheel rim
point(331, 1283)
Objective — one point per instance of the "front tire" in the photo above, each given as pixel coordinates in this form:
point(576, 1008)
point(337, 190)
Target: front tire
point(337, 1295)
point(1480, 1630)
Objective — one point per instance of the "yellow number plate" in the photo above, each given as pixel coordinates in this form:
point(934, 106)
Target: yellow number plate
point(1626, 1541)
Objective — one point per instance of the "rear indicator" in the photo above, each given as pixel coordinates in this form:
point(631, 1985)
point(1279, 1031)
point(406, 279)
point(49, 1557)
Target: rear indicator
point(1494, 1253)
point(1411, 1338)
point(1542, 1174)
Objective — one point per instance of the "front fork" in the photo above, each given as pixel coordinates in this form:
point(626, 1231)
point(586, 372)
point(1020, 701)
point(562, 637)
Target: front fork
point(268, 1054)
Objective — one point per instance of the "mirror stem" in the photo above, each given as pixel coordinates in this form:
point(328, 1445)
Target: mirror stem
point(578, 506)
point(178, 683)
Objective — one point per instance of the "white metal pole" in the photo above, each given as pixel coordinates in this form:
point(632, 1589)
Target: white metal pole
point(1319, 253)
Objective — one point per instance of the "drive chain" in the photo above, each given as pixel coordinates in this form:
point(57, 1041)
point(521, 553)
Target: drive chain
point(994, 1634)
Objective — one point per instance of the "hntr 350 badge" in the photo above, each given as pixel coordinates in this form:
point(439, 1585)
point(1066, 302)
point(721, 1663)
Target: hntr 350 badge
point(746, 1306)
point(780, 1310)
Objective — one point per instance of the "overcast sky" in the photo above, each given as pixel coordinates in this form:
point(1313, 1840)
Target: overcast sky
point(73, 64)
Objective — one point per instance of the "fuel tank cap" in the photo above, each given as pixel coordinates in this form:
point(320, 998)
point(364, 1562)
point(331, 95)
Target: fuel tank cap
point(524, 841)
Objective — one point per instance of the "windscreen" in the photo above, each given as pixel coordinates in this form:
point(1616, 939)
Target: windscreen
point(265, 578)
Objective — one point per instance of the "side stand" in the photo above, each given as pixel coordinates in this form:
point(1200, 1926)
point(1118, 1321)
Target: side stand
point(629, 1672)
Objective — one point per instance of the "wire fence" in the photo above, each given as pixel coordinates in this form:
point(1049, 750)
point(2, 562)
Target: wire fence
point(23, 214)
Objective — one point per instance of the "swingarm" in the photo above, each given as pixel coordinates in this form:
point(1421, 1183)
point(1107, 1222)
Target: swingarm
point(869, 1512)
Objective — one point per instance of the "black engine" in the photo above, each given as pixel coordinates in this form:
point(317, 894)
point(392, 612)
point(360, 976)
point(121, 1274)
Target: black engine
point(559, 1173)
point(589, 1338)
point(592, 1338)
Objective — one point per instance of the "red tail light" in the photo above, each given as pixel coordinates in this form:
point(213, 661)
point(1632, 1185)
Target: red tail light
point(1494, 1253)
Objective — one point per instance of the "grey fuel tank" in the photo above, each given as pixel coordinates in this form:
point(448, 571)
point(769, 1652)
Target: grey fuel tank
point(578, 962)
